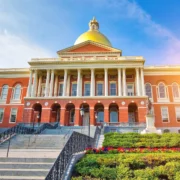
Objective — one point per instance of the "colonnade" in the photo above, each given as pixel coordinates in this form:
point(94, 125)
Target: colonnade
point(51, 85)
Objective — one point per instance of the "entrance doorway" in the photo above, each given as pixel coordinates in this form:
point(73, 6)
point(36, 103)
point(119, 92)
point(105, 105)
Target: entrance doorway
point(132, 113)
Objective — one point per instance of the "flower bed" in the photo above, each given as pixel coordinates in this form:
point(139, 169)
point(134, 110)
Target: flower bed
point(111, 150)
point(135, 140)
point(128, 166)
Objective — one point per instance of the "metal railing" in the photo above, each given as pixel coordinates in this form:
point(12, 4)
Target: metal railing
point(126, 124)
point(18, 129)
point(77, 142)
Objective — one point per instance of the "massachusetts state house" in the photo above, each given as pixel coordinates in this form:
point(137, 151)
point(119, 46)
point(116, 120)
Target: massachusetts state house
point(91, 74)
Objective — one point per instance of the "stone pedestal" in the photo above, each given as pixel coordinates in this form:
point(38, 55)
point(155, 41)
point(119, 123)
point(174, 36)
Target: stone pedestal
point(150, 128)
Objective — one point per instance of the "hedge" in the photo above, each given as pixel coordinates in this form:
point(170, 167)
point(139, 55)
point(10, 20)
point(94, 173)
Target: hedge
point(128, 167)
point(135, 140)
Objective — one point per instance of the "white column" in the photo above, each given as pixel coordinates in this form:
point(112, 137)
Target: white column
point(137, 82)
point(78, 82)
point(29, 84)
point(39, 86)
point(56, 85)
point(106, 81)
point(142, 82)
point(65, 82)
point(51, 83)
point(92, 82)
point(47, 83)
point(119, 83)
point(34, 84)
point(124, 82)
point(68, 85)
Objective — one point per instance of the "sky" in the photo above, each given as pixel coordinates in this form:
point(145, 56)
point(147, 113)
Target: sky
point(39, 28)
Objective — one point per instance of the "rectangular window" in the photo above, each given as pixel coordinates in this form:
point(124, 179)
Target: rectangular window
point(113, 89)
point(178, 114)
point(60, 93)
point(99, 89)
point(130, 90)
point(1, 114)
point(87, 88)
point(13, 115)
point(74, 89)
point(164, 114)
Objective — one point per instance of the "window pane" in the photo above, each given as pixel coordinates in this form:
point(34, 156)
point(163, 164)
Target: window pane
point(100, 116)
point(74, 90)
point(13, 115)
point(4, 92)
point(130, 90)
point(1, 114)
point(148, 90)
point(162, 93)
point(87, 89)
point(17, 92)
point(99, 89)
point(113, 89)
point(175, 89)
point(113, 116)
point(60, 90)
point(164, 114)
point(72, 114)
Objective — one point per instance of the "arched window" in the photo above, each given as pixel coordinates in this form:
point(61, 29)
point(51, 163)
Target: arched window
point(148, 90)
point(113, 115)
point(162, 90)
point(72, 115)
point(17, 92)
point(100, 115)
point(4, 92)
point(175, 90)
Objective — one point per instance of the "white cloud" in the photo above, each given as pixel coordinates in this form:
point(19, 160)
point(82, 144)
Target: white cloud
point(15, 51)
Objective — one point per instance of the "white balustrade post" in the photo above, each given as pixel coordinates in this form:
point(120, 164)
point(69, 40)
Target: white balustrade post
point(124, 82)
point(137, 82)
point(106, 81)
point(142, 82)
point(51, 83)
point(119, 83)
point(29, 84)
point(65, 82)
point(92, 82)
point(34, 84)
point(39, 86)
point(47, 83)
point(78, 82)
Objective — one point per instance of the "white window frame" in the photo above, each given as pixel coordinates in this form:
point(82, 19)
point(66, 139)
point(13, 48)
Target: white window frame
point(166, 98)
point(112, 82)
point(177, 107)
point(165, 107)
point(132, 88)
point(72, 88)
point(176, 99)
point(2, 92)
point(2, 115)
point(61, 83)
point(11, 113)
point(87, 82)
point(99, 82)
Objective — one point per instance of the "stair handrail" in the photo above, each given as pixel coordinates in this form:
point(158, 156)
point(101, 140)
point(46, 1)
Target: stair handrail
point(76, 143)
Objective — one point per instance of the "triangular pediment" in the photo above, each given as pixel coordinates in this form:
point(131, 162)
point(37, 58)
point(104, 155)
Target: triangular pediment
point(88, 47)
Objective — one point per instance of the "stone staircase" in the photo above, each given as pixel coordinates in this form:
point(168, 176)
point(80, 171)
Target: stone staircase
point(25, 168)
point(101, 140)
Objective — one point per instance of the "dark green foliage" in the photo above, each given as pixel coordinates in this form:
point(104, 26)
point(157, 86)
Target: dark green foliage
point(128, 167)
point(135, 140)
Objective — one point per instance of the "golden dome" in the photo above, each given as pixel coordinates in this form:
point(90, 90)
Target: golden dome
point(93, 34)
